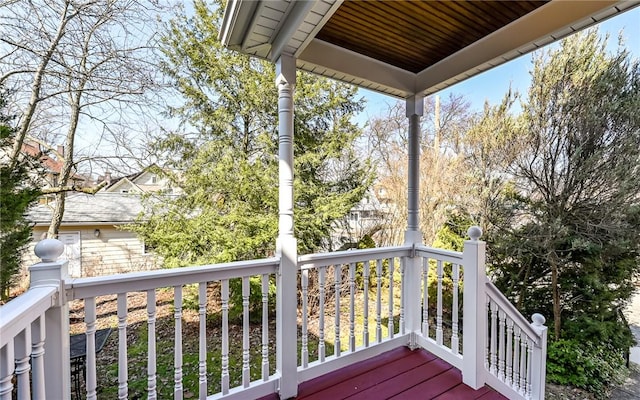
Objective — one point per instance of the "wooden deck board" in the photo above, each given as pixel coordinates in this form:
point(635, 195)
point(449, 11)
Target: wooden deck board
point(359, 383)
point(348, 372)
point(395, 385)
point(396, 374)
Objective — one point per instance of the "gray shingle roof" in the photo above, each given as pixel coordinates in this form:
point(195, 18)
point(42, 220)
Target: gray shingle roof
point(81, 208)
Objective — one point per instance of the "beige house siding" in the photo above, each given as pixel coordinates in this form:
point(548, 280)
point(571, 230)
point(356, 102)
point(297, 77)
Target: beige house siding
point(114, 251)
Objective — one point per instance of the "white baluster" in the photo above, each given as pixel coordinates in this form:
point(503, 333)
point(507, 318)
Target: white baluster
point(352, 319)
point(527, 393)
point(123, 372)
point(391, 299)
point(439, 304)
point(305, 318)
point(152, 385)
point(38, 334)
point(90, 323)
point(402, 294)
point(202, 345)
point(501, 344)
point(379, 301)
point(177, 340)
point(225, 337)
point(7, 367)
point(487, 334)
point(22, 348)
point(321, 344)
point(265, 327)
point(246, 378)
point(523, 364)
point(425, 297)
point(365, 287)
point(517, 334)
point(455, 340)
point(509, 368)
point(493, 366)
point(338, 280)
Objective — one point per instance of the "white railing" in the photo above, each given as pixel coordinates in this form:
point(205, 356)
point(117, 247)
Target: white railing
point(441, 299)
point(352, 305)
point(33, 338)
point(343, 304)
point(211, 280)
point(515, 349)
point(23, 336)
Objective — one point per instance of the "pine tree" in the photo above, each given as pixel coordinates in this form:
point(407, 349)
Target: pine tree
point(571, 246)
point(16, 194)
point(228, 164)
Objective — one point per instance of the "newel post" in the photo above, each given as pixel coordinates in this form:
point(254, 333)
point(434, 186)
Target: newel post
point(51, 272)
point(474, 310)
point(539, 358)
point(286, 246)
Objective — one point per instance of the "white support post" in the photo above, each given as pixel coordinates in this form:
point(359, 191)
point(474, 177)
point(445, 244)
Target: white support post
point(474, 318)
point(539, 361)
point(286, 298)
point(51, 272)
point(413, 236)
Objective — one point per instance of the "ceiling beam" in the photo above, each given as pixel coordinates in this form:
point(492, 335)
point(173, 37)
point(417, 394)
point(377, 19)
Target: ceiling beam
point(335, 58)
point(289, 28)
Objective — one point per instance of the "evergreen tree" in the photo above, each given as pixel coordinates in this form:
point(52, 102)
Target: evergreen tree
point(16, 194)
point(228, 167)
point(571, 243)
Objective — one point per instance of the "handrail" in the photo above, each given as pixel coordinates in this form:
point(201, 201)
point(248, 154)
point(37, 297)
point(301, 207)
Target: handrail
point(348, 256)
point(513, 313)
point(139, 281)
point(425, 251)
point(17, 314)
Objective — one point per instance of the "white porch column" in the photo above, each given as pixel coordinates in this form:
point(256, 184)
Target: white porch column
point(286, 300)
point(474, 322)
point(51, 272)
point(413, 235)
point(415, 108)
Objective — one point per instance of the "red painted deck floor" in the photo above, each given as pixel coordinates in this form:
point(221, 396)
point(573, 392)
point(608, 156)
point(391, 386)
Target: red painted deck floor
point(396, 374)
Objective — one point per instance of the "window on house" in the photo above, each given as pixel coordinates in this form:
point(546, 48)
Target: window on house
point(147, 248)
point(353, 216)
point(124, 191)
point(154, 179)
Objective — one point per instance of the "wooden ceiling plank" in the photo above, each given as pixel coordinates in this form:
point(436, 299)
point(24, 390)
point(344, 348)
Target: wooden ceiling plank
point(343, 31)
point(415, 51)
point(451, 11)
point(384, 30)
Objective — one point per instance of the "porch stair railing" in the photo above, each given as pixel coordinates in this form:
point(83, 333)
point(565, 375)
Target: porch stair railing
point(352, 305)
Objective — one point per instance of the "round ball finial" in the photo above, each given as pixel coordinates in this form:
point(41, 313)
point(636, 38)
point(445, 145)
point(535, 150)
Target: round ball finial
point(538, 319)
point(49, 249)
point(474, 232)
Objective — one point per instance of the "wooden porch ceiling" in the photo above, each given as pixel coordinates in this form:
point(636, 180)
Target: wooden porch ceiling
point(402, 48)
point(415, 35)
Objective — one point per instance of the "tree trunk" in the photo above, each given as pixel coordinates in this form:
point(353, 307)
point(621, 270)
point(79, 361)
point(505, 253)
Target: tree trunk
point(37, 85)
point(56, 218)
point(66, 171)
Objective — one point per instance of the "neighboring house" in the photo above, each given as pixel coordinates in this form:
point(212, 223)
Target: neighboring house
point(144, 181)
point(92, 226)
point(51, 167)
point(91, 230)
point(365, 218)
